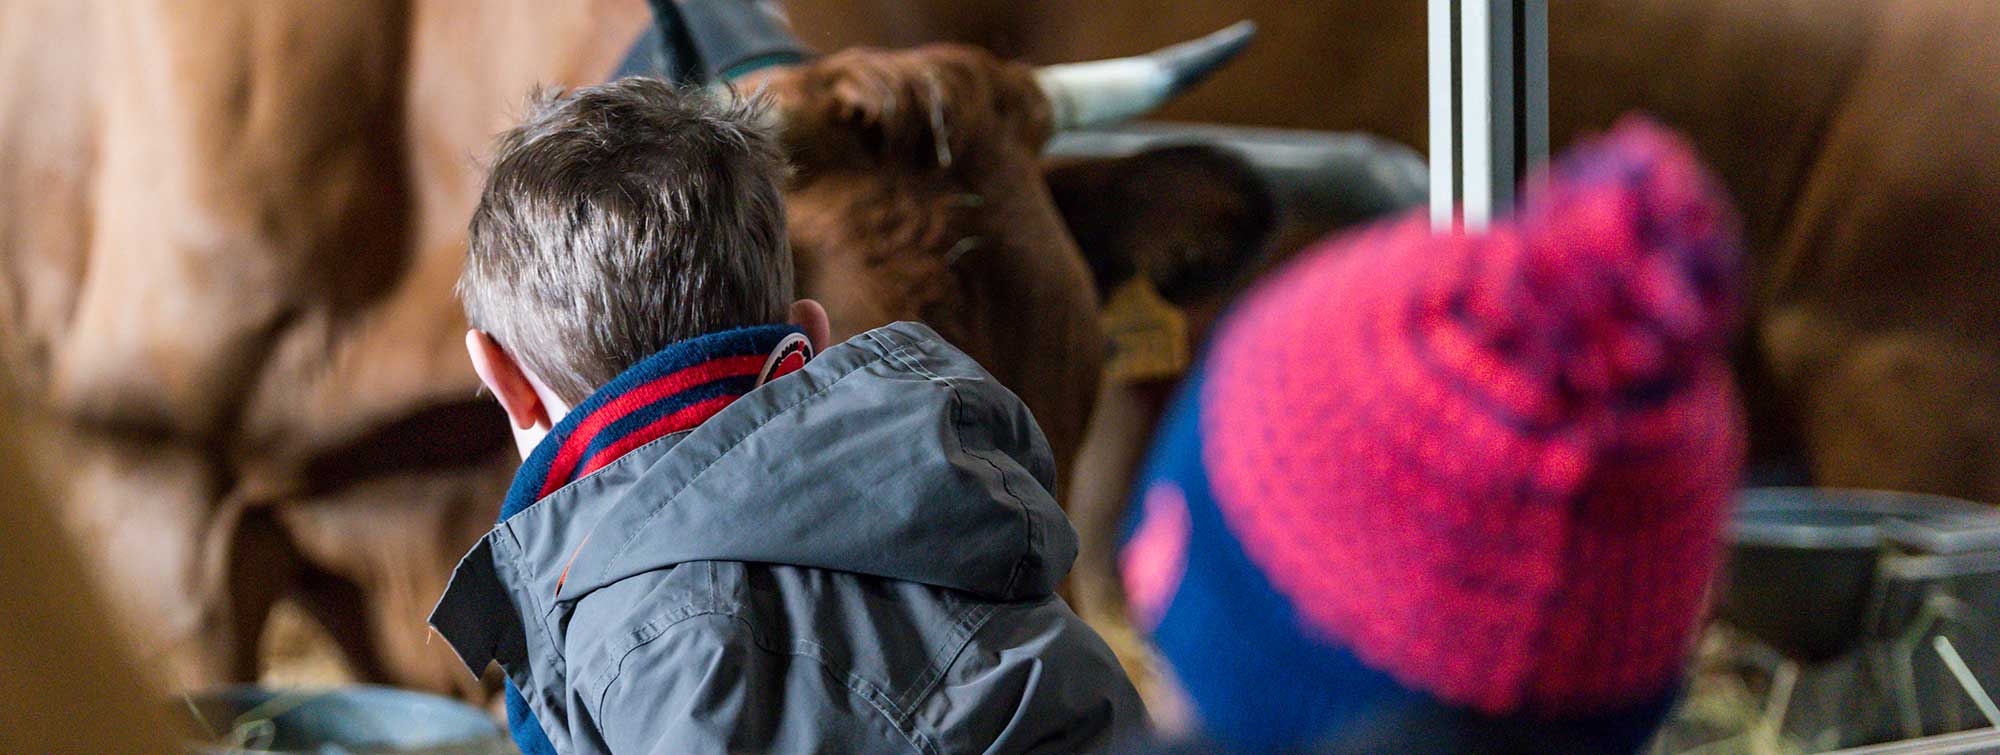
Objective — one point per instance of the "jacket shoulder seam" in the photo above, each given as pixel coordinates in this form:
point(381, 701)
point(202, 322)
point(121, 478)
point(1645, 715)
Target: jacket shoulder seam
point(649, 631)
point(874, 696)
point(968, 627)
point(958, 424)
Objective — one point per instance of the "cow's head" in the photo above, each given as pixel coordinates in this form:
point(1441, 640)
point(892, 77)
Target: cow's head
point(919, 194)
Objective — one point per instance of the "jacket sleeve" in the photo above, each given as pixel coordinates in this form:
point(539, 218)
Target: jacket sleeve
point(1034, 679)
point(705, 685)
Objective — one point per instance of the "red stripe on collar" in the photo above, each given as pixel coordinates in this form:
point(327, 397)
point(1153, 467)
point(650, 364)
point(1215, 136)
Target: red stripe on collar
point(563, 469)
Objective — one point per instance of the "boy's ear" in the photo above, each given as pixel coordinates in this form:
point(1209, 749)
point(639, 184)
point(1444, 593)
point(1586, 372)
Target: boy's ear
point(507, 380)
point(809, 315)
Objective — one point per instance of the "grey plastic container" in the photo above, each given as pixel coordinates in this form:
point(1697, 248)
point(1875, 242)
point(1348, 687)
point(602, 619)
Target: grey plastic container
point(1805, 562)
point(356, 720)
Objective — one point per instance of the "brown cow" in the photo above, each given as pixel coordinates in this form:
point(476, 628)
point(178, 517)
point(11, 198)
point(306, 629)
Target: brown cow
point(1854, 136)
point(230, 230)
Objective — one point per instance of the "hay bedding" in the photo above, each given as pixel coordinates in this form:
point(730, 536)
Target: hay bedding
point(297, 652)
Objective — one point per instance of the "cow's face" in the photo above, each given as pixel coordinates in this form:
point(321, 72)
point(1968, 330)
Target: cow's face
point(917, 195)
point(913, 169)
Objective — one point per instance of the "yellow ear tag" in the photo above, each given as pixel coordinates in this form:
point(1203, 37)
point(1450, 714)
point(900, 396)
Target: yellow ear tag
point(1147, 336)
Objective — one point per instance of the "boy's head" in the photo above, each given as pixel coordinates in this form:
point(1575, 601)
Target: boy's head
point(616, 220)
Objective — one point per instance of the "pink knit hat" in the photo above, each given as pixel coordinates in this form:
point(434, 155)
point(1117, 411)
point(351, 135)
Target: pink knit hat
point(1491, 467)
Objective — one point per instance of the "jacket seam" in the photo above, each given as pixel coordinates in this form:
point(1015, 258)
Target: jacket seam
point(862, 688)
point(642, 524)
point(652, 630)
point(967, 627)
point(958, 424)
point(649, 631)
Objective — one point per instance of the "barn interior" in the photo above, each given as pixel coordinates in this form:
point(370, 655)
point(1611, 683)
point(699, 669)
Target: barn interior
point(249, 450)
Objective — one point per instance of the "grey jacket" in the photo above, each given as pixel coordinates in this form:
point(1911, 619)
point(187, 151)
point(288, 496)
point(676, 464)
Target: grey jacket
point(858, 557)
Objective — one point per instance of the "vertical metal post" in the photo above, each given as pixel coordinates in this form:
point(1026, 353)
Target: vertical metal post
point(1486, 99)
point(1445, 188)
point(1532, 16)
point(1489, 78)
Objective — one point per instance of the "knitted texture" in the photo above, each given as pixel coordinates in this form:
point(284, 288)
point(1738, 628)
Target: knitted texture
point(1257, 683)
point(1494, 466)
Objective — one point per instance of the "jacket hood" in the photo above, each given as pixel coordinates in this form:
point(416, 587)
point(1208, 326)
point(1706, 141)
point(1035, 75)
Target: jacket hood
point(891, 455)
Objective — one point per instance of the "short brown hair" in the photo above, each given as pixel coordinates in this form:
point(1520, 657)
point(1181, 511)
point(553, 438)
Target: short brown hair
point(620, 218)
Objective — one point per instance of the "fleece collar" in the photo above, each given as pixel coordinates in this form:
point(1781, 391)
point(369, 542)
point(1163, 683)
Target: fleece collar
point(674, 390)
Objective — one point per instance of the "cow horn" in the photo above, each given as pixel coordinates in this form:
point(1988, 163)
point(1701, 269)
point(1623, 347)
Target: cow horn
point(1102, 92)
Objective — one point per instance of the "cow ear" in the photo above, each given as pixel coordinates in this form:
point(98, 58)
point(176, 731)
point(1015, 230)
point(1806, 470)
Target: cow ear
point(860, 101)
point(1190, 218)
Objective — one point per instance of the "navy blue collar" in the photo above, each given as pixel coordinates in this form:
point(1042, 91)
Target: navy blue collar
point(671, 391)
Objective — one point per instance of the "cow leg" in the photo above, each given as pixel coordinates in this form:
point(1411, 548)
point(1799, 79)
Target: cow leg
point(341, 607)
point(1906, 411)
point(181, 571)
point(379, 554)
point(261, 568)
point(1107, 464)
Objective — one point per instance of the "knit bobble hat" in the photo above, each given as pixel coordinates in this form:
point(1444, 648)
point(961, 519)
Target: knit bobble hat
point(1474, 477)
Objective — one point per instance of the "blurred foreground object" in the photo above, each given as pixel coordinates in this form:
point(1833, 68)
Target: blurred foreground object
point(1174, 219)
point(1447, 493)
point(68, 685)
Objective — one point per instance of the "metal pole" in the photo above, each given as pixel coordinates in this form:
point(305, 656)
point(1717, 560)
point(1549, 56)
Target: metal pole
point(1485, 98)
point(1489, 79)
point(1445, 189)
point(1534, 111)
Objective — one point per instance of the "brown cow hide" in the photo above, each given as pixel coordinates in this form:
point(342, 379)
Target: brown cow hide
point(1854, 135)
point(230, 230)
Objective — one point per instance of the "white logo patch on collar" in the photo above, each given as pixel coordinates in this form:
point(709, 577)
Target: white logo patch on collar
point(790, 355)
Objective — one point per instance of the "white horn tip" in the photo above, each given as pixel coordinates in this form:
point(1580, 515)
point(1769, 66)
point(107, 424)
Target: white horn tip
point(1108, 91)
